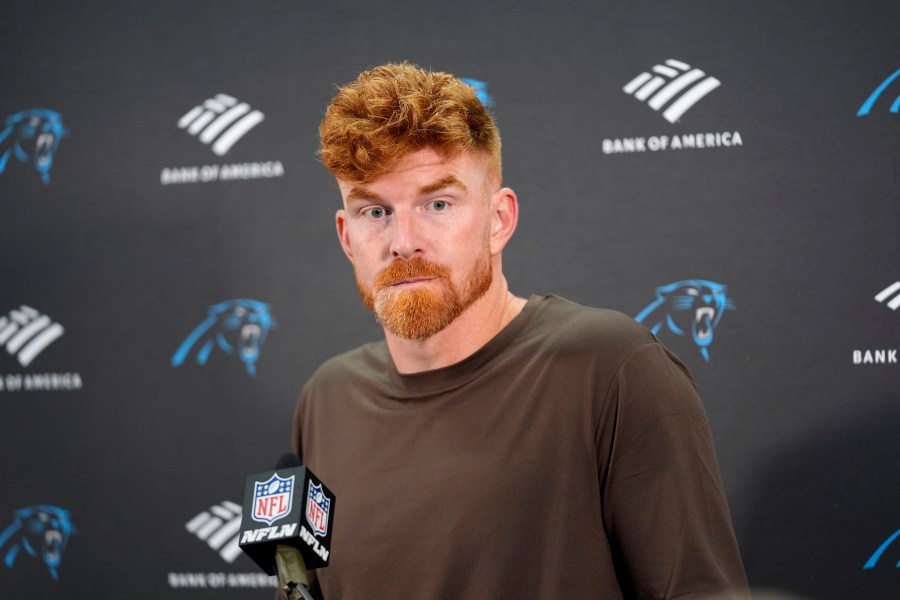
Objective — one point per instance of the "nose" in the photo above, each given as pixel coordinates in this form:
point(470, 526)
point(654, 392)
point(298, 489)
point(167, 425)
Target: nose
point(406, 235)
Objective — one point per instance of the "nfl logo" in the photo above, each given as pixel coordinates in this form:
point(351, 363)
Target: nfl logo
point(272, 499)
point(317, 507)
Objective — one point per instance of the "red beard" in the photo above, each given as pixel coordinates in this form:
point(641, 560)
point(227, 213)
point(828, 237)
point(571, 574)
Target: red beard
point(419, 313)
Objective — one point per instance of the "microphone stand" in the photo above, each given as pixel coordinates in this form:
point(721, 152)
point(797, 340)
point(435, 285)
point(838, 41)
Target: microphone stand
point(292, 573)
point(297, 591)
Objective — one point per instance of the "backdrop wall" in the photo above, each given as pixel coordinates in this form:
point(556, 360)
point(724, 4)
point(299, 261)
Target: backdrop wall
point(171, 275)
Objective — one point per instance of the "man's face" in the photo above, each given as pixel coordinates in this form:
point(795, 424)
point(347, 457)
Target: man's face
point(419, 240)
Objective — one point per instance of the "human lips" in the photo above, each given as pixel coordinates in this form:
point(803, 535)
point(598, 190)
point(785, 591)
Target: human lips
point(415, 272)
point(411, 280)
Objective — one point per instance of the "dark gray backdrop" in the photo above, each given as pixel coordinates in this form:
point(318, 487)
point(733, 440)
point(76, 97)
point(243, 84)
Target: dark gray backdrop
point(800, 222)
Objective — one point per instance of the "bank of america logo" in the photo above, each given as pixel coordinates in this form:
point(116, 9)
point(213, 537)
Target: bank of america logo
point(890, 296)
point(25, 333)
point(220, 121)
point(674, 85)
point(219, 527)
point(866, 107)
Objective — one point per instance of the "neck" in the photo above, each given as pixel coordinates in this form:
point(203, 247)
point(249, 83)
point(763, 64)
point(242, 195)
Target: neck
point(471, 330)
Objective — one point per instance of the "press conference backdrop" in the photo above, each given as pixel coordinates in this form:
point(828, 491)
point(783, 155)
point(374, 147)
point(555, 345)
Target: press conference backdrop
point(725, 173)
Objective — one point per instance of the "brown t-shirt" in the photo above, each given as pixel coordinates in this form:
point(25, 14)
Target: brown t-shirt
point(569, 457)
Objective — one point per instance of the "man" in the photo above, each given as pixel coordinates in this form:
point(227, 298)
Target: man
point(491, 446)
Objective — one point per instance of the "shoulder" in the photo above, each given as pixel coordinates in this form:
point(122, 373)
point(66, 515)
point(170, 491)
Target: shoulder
point(628, 349)
point(571, 326)
point(367, 362)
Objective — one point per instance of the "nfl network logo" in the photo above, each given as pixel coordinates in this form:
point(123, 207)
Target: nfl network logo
point(272, 499)
point(317, 507)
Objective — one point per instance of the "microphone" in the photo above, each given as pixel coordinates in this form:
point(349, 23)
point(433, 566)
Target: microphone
point(296, 511)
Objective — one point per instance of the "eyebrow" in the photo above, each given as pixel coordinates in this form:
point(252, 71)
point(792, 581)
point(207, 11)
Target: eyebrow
point(450, 181)
point(363, 193)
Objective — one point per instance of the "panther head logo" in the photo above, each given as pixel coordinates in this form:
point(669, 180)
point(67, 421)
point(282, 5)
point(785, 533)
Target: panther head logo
point(235, 327)
point(481, 90)
point(876, 556)
point(41, 531)
point(692, 305)
point(32, 135)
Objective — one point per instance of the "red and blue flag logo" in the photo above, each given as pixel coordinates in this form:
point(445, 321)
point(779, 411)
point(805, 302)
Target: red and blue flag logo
point(318, 505)
point(272, 498)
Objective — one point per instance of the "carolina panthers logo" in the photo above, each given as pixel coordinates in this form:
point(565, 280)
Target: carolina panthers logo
point(876, 556)
point(32, 135)
point(235, 327)
point(481, 90)
point(693, 305)
point(41, 531)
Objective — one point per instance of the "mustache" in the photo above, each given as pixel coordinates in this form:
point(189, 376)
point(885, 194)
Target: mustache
point(402, 269)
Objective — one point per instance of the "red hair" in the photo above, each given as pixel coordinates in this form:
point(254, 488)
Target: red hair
point(395, 109)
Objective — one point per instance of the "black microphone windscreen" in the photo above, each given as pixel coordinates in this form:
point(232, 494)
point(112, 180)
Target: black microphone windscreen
point(288, 460)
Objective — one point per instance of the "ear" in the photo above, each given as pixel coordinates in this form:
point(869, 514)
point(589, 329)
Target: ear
point(340, 221)
point(504, 217)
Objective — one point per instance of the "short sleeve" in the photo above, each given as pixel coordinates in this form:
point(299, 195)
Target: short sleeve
point(663, 503)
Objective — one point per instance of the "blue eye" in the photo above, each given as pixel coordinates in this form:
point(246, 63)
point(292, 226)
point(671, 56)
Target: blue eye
point(439, 205)
point(376, 212)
